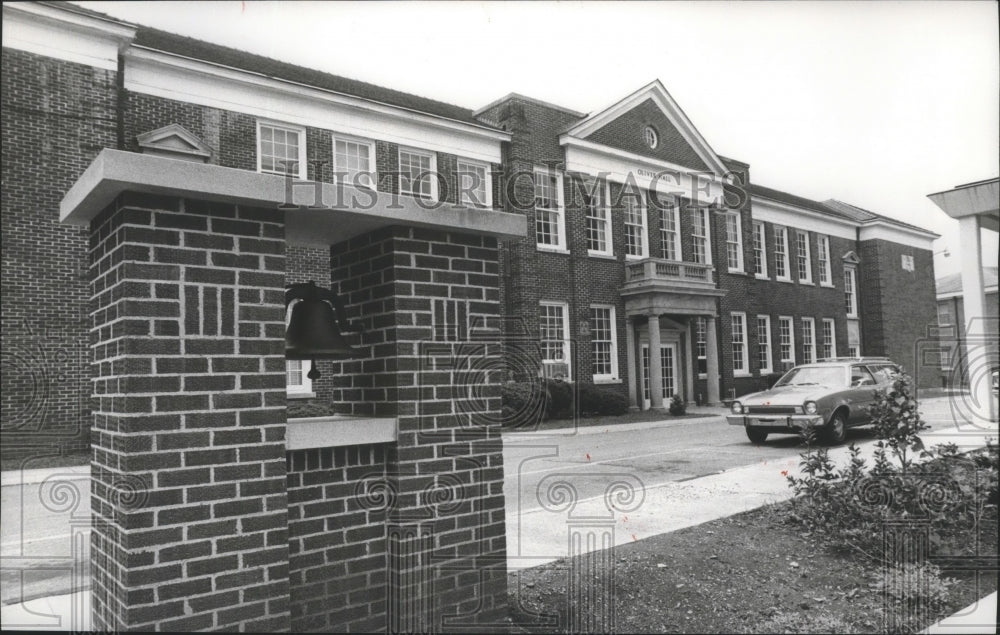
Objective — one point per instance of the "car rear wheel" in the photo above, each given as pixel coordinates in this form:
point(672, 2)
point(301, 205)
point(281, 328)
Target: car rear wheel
point(756, 436)
point(836, 430)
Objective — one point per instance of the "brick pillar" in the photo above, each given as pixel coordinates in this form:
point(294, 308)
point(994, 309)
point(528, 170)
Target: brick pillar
point(428, 301)
point(188, 465)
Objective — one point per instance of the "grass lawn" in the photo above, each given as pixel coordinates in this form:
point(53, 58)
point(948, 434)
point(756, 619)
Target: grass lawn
point(750, 573)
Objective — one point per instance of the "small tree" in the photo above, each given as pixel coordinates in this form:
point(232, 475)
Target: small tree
point(897, 421)
point(677, 406)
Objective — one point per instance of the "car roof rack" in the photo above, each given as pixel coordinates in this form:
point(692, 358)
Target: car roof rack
point(866, 358)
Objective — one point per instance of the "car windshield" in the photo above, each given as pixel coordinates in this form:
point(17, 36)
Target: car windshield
point(813, 376)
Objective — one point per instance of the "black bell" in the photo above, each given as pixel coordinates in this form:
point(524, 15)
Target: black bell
point(316, 326)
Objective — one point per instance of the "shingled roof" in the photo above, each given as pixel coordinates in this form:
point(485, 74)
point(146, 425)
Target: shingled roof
point(235, 58)
point(953, 283)
point(863, 216)
point(830, 207)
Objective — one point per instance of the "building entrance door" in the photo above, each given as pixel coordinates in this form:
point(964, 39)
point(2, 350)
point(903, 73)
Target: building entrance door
point(668, 371)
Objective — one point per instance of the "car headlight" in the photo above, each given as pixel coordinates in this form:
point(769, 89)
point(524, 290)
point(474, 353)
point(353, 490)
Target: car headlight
point(737, 408)
point(810, 407)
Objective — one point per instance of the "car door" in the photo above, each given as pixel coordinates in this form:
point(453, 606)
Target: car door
point(862, 394)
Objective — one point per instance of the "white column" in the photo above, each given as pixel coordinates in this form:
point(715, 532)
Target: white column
point(712, 359)
point(634, 373)
point(691, 359)
point(655, 365)
point(977, 339)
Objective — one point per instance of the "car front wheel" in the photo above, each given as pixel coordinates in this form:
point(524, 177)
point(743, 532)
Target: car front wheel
point(756, 436)
point(836, 430)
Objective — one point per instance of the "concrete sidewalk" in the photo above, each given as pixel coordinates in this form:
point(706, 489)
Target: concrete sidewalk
point(542, 535)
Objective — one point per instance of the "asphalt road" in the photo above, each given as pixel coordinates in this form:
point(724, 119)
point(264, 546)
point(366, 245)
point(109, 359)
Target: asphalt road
point(653, 453)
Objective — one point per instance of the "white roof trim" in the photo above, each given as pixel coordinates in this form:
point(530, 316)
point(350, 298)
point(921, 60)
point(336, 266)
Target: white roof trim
point(638, 159)
point(249, 77)
point(69, 18)
point(878, 222)
point(154, 141)
point(658, 93)
point(763, 200)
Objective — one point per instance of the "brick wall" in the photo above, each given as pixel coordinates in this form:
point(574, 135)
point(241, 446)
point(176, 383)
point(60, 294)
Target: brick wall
point(337, 539)
point(446, 539)
point(898, 307)
point(188, 469)
point(56, 117)
point(233, 139)
point(626, 133)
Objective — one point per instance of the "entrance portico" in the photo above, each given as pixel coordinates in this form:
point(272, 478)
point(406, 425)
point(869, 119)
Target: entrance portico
point(663, 298)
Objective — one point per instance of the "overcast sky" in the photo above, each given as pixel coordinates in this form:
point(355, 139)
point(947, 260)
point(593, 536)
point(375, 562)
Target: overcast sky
point(876, 104)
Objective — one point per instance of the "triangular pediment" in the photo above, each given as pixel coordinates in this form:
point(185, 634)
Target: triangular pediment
point(174, 141)
point(629, 124)
point(851, 258)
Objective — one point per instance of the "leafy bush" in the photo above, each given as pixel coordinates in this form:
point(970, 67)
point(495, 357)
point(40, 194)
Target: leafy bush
point(523, 403)
point(600, 401)
point(677, 406)
point(559, 399)
point(851, 504)
point(804, 623)
point(916, 586)
point(527, 403)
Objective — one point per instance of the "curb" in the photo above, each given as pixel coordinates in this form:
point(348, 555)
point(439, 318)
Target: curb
point(14, 478)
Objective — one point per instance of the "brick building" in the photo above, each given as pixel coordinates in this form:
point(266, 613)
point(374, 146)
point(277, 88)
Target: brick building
point(658, 267)
point(952, 323)
point(159, 193)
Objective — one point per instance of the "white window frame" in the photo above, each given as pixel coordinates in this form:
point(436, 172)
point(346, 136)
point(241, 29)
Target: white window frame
point(808, 327)
point(760, 255)
point(786, 320)
point(565, 342)
point(298, 130)
point(703, 217)
point(604, 209)
point(302, 390)
point(832, 323)
point(559, 211)
point(638, 198)
point(612, 324)
point(825, 267)
point(432, 169)
point(738, 318)
point(765, 343)
point(735, 219)
point(802, 239)
point(951, 317)
point(851, 292)
point(369, 177)
point(781, 261)
point(463, 197)
point(674, 211)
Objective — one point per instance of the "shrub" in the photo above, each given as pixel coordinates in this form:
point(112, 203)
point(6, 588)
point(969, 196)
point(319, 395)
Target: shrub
point(803, 623)
point(559, 399)
point(850, 505)
point(600, 401)
point(914, 585)
point(677, 406)
point(523, 404)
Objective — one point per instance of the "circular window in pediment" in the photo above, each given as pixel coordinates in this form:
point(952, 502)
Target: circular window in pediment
point(650, 137)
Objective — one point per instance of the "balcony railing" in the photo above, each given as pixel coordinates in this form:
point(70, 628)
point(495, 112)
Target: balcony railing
point(669, 271)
